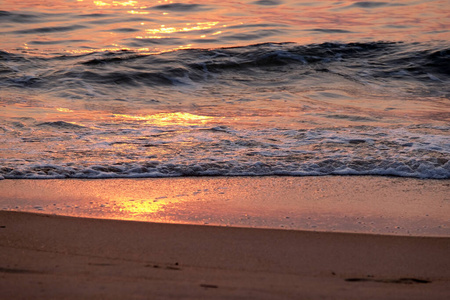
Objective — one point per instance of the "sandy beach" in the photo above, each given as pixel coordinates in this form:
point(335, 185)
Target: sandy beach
point(52, 257)
point(48, 256)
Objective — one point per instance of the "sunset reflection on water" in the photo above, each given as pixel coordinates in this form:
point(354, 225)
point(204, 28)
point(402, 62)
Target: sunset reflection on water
point(201, 88)
point(132, 25)
point(163, 119)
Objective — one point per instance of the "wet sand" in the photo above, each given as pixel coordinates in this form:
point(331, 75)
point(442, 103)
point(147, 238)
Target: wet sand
point(48, 256)
point(355, 204)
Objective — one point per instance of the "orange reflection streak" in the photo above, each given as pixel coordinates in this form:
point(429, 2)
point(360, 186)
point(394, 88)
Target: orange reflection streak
point(116, 3)
point(310, 21)
point(62, 109)
point(151, 37)
point(144, 51)
point(164, 119)
point(125, 3)
point(198, 26)
point(133, 12)
point(101, 3)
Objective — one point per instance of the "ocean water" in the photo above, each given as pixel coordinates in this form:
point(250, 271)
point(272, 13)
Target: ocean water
point(102, 89)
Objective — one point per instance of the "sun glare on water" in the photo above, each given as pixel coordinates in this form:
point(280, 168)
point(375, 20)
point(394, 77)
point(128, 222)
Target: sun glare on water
point(162, 119)
point(131, 206)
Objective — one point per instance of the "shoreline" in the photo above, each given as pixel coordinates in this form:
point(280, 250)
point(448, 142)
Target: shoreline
point(47, 256)
point(364, 204)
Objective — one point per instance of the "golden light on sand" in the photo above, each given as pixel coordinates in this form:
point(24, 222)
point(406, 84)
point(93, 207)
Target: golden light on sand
point(164, 119)
point(136, 202)
point(131, 206)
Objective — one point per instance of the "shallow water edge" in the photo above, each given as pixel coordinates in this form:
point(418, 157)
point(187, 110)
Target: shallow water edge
point(363, 204)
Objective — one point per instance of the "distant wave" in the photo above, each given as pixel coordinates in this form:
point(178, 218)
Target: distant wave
point(373, 61)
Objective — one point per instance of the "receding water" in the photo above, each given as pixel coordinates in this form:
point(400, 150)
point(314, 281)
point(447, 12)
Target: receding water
point(98, 89)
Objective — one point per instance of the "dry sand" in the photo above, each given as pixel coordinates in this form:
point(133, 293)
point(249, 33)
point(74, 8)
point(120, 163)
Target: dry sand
point(51, 257)
point(57, 257)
